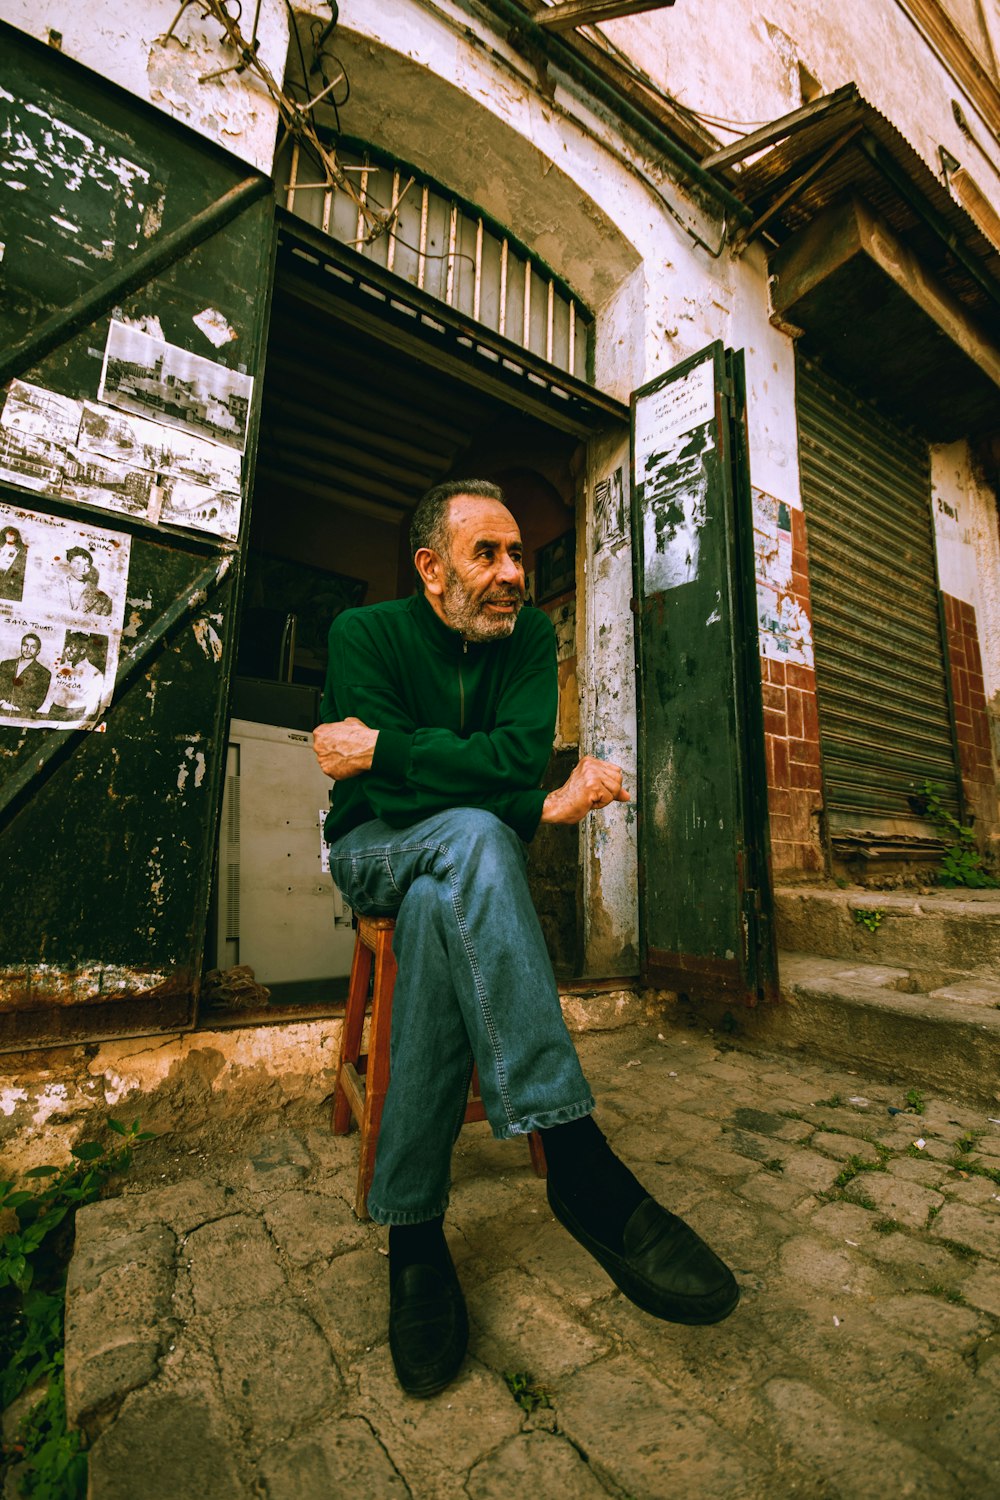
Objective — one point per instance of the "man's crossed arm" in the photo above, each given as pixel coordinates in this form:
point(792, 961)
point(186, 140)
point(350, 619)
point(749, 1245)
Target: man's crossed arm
point(345, 749)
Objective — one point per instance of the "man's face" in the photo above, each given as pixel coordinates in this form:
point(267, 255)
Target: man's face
point(30, 646)
point(483, 570)
point(79, 565)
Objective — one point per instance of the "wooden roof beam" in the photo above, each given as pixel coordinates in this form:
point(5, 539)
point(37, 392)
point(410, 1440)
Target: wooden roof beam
point(568, 14)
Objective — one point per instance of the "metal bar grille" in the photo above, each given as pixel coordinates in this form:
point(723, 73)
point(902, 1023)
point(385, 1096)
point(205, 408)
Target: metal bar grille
point(885, 721)
point(502, 272)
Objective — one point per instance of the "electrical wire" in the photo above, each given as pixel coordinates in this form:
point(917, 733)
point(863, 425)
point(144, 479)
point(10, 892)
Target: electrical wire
point(641, 76)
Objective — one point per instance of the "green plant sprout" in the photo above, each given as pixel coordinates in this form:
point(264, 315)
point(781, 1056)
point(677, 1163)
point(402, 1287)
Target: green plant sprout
point(962, 863)
point(34, 1253)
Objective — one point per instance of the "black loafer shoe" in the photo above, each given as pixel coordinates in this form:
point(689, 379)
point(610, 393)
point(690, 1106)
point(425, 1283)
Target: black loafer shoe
point(428, 1328)
point(664, 1267)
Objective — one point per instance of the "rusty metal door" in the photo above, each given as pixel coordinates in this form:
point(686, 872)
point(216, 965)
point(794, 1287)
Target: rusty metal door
point(704, 887)
point(137, 270)
point(885, 716)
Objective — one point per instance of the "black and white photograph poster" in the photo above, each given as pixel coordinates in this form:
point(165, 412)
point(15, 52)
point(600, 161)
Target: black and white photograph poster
point(168, 474)
point(158, 380)
point(37, 428)
point(62, 607)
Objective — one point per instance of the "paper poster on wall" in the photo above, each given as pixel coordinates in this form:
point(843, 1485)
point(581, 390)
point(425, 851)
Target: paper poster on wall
point(670, 421)
point(62, 606)
point(609, 509)
point(164, 382)
point(189, 481)
point(783, 623)
point(674, 430)
point(98, 455)
point(37, 428)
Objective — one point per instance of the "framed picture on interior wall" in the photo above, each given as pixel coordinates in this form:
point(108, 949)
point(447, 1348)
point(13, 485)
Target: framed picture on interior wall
point(555, 567)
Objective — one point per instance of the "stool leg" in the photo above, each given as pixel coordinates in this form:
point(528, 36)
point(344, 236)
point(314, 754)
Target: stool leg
point(350, 1042)
point(377, 1072)
point(537, 1154)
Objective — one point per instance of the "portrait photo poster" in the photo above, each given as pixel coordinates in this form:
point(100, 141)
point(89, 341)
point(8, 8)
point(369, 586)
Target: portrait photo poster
point(63, 589)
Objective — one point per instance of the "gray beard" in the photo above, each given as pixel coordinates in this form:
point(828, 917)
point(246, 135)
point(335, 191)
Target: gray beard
point(469, 617)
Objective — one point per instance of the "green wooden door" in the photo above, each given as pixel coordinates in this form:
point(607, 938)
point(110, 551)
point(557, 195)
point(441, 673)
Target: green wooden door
point(137, 267)
point(705, 899)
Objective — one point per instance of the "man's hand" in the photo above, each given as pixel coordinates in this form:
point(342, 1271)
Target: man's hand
point(344, 749)
point(593, 783)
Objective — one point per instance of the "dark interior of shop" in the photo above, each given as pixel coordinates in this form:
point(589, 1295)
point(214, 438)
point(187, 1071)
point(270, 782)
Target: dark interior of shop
point(352, 434)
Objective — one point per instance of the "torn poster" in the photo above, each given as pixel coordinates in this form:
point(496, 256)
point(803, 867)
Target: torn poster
point(783, 623)
point(161, 381)
point(199, 481)
point(37, 428)
point(62, 604)
point(98, 455)
point(609, 509)
point(674, 430)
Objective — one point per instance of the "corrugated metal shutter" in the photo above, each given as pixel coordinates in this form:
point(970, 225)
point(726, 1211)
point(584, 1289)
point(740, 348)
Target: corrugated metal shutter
point(885, 718)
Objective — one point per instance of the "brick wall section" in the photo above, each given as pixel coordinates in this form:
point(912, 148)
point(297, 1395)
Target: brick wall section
point(791, 738)
point(968, 690)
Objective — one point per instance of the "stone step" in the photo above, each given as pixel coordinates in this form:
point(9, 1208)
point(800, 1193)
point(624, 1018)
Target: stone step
point(876, 1017)
point(939, 937)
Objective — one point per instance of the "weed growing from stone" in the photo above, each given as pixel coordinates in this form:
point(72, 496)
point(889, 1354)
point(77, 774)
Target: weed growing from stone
point(975, 1168)
point(869, 917)
point(915, 1101)
point(35, 1243)
point(885, 1226)
point(966, 1252)
point(962, 863)
point(527, 1392)
point(854, 1165)
point(834, 1102)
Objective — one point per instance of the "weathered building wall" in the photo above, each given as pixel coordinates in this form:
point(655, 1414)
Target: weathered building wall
point(126, 44)
point(968, 553)
point(756, 76)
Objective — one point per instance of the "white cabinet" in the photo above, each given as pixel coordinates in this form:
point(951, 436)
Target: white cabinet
point(278, 909)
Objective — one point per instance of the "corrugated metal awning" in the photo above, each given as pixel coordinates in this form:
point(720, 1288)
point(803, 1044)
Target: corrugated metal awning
point(883, 273)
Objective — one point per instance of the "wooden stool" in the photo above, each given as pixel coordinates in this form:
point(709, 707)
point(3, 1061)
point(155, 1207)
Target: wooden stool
point(363, 1077)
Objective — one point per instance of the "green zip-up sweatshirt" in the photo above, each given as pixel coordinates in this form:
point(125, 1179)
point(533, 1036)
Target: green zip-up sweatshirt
point(460, 724)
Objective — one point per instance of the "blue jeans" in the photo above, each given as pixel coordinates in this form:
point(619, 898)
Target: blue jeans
point(474, 982)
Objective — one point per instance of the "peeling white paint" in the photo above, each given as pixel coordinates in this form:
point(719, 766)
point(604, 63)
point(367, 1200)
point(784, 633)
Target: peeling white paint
point(215, 326)
point(51, 1101)
point(148, 323)
point(208, 638)
point(10, 1099)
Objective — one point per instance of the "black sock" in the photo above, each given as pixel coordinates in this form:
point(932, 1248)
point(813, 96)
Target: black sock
point(421, 1244)
point(598, 1188)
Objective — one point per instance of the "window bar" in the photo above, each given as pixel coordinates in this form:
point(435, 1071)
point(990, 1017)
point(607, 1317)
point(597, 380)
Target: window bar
point(449, 289)
point(526, 325)
point(478, 286)
point(292, 177)
point(328, 200)
point(362, 228)
point(422, 254)
point(549, 312)
point(390, 254)
point(503, 288)
point(572, 338)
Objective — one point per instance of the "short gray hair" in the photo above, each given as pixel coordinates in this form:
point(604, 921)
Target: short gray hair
point(429, 527)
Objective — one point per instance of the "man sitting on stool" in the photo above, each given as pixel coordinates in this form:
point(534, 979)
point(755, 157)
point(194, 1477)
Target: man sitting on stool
point(440, 715)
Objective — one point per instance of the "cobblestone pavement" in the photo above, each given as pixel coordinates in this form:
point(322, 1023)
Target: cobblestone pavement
point(227, 1315)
